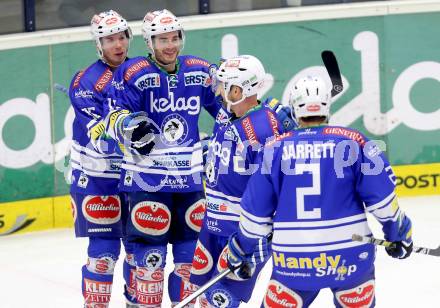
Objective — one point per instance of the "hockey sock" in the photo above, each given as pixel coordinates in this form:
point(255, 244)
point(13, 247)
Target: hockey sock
point(150, 264)
point(179, 286)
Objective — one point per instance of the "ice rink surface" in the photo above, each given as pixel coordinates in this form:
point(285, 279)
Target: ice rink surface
point(43, 269)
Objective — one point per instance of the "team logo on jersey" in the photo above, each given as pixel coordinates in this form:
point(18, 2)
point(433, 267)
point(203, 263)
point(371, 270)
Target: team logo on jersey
point(231, 134)
point(128, 178)
point(83, 180)
point(220, 298)
point(196, 79)
point(148, 81)
point(202, 260)
point(278, 295)
point(361, 296)
point(173, 80)
point(153, 259)
point(152, 218)
point(174, 129)
point(194, 215)
point(102, 209)
point(73, 208)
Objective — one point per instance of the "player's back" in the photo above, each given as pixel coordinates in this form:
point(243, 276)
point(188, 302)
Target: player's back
point(319, 176)
point(231, 161)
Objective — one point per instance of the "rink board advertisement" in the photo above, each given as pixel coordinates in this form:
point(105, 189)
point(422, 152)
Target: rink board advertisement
point(390, 66)
point(34, 215)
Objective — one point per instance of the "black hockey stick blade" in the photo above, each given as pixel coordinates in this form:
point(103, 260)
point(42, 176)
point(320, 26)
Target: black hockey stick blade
point(367, 239)
point(332, 67)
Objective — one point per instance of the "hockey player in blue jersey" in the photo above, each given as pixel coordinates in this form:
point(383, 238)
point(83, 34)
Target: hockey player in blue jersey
point(231, 156)
point(313, 191)
point(158, 100)
point(99, 208)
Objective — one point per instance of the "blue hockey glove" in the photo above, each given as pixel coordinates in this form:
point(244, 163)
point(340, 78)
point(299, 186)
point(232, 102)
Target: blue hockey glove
point(136, 129)
point(243, 265)
point(402, 249)
point(286, 118)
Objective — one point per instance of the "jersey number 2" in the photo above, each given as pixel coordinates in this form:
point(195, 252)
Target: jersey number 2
point(301, 192)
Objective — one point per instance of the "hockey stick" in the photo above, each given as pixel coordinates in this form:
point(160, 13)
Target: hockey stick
point(332, 67)
point(202, 289)
point(61, 88)
point(423, 250)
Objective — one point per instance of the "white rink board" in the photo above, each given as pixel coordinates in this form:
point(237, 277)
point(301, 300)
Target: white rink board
point(43, 269)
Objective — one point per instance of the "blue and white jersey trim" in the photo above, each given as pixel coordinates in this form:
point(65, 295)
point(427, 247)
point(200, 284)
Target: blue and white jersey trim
point(170, 161)
point(314, 236)
point(95, 164)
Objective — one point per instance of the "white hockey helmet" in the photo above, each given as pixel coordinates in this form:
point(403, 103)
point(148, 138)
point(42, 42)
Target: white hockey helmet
point(158, 22)
point(245, 72)
point(309, 97)
point(105, 24)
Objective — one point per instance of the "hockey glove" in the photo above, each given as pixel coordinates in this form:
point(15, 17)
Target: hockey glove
point(137, 132)
point(241, 264)
point(402, 249)
point(285, 116)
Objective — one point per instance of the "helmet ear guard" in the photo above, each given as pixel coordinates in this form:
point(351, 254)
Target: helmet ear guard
point(309, 97)
point(105, 24)
point(245, 72)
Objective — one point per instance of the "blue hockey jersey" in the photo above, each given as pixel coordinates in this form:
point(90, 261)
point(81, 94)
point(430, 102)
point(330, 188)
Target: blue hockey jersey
point(231, 162)
point(95, 165)
point(313, 190)
point(173, 103)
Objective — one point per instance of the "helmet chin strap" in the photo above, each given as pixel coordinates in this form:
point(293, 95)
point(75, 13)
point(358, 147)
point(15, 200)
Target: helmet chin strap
point(231, 103)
